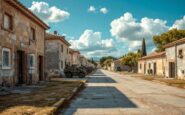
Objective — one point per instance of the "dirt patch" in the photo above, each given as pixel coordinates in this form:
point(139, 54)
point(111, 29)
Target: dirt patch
point(170, 82)
point(41, 98)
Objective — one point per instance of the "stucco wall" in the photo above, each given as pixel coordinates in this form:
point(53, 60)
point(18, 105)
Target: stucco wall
point(160, 66)
point(180, 64)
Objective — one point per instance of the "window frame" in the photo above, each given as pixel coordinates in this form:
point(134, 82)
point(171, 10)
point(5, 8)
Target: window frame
point(33, 35)
point(62, 48)
point(9, 58)
point(29, 64)
point(11, 22)
point(140, 66)
point(62, 64)
point(149, 65)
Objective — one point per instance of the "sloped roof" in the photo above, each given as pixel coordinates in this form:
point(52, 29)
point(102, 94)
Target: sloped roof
point(18, 5)
point(154, 55)
point(177, 42)
point(73, 51)
point(50, 36)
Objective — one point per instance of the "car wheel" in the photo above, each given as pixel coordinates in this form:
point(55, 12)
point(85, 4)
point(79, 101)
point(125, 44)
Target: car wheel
point(68, 75)
point(81, 75)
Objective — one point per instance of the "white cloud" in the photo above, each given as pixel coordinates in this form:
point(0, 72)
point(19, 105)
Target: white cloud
point(47, 13)
point(128, 29)
point(92, 9)
point(90, 41)
point(104, 10)
point(179, 24)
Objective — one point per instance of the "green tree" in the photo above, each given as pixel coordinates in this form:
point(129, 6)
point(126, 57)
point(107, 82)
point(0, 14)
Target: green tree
point(107, 62)
point(102, 60)
point(167, 37)
point(130, 59)
point(143, 49)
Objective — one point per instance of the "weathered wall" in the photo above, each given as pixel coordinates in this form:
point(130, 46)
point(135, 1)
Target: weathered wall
point(55, 56)
point(180, 64)
point(52, 55)
point(18, 39)
point(160, 66)
point(116, 64)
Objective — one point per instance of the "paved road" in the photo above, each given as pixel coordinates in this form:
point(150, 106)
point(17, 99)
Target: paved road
point(109, 93)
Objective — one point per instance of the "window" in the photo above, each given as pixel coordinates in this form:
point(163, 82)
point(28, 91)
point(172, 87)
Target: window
point(6, 58)
point(149, 65)
point(31, 61)
point(140, 66)
point(8, 22)
point(180, 53)
point(67, 51)
point(62, 65)
point(62, 48)
point(32, 34)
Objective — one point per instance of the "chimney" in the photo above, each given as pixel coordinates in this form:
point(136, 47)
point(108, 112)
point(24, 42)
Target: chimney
point(55, 32)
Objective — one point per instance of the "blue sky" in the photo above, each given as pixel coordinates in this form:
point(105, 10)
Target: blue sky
point(116, 31)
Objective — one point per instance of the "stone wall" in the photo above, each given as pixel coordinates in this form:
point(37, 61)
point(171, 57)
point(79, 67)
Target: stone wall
point(52, 56)
point(19, 39)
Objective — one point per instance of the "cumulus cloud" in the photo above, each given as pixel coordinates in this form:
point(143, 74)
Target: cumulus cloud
point(128, 29)
point(47, 13)
point(91, 9)
point(179, 24)
point(90, 41)
point(104, 10)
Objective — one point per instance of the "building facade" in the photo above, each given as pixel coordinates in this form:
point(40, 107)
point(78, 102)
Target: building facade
point(175, 59)
point(153, 64)
point(21, 44)
point(116, 66)
point(57, 53)
point(74, 57)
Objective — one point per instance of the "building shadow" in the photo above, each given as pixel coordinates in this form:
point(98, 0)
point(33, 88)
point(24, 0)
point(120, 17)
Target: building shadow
point(100, 79)
point(98, 97)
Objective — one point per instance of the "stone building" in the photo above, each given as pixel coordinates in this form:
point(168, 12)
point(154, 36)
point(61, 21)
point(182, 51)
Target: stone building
point(83, 61)
point(175, 59)
point(74, 57)
point(152, 64)
point(21, 44)
point(116, 66)
point(57, 52)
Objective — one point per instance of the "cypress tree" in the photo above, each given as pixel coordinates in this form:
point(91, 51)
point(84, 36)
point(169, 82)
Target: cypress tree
point(143, 50)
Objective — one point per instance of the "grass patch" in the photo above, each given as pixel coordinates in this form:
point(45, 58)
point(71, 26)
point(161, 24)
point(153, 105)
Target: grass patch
point(39, 99)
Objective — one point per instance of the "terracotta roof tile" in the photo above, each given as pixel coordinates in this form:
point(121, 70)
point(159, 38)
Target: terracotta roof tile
point(154, 55)
point(177, 42)
point(57, 37)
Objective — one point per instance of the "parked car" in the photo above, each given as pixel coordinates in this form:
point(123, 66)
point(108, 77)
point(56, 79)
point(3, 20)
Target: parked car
point(74, 70)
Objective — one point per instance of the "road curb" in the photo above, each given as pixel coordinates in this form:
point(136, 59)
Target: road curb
point(56, 106)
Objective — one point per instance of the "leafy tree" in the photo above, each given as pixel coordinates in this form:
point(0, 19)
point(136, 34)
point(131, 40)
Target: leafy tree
point(130, 59)
point(167, 37)
point(108, 62)
point(143, 49)
point(102, 60)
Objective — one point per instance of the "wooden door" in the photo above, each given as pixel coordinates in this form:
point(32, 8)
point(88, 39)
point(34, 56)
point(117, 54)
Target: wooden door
point(172, 69)
point(20, 67)
point(155, 68)
point(40, 67)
